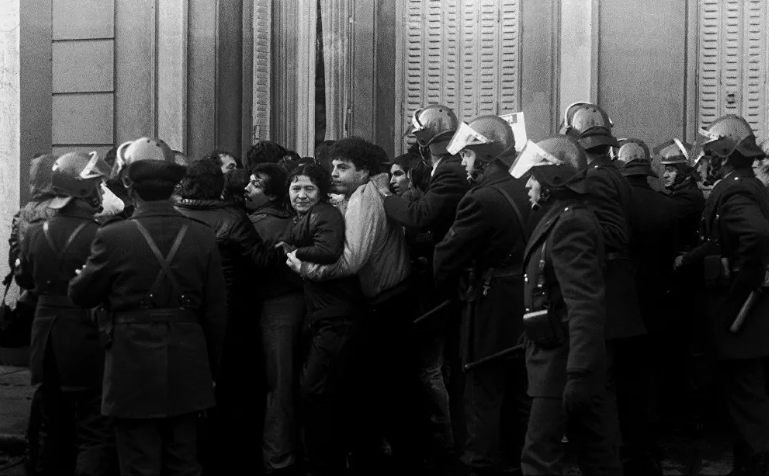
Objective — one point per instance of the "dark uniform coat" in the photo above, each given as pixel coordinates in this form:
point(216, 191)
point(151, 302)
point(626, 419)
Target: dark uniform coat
point(60, 327)
point(436, 209)
point(487, 231)
point(610, 198)
point(163, 368)
point(574, 284)
point(653, 249)
point(688, 203)
point(735, 224)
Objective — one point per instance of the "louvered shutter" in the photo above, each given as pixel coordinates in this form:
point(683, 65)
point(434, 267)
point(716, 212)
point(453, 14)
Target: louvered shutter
point(262, 68)
point(732, 67)
point(460, 53)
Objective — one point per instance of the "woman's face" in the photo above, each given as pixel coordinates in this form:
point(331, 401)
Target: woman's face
point(399, 180)
point(304, 194)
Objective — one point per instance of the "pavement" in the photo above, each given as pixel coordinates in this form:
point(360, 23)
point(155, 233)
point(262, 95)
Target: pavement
point(682, 455)
point(15, 399)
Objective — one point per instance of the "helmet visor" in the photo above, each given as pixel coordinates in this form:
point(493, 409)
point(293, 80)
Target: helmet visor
point(95, 168)
point(532, 156)
point(517, 123)
point(465, 136)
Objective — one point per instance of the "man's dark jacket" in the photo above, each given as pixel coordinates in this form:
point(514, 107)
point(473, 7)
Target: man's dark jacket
point(610, 198)
point(64, 331)
point(735, 225)
point(487, 231)
point(272, 224)
point(156, 367)
point(436, 209)
point(653, 249)
point(574, 285)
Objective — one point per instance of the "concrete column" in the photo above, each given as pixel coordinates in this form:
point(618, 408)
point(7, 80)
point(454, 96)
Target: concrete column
point(578, 52)
point(10, 122)
point(172, 72)
point(305, 80)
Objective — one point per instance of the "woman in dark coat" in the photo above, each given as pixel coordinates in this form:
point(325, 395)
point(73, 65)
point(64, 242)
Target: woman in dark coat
point(336, 308)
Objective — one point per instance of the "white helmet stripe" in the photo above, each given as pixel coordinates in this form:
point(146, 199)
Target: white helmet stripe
point(531, 156)
point(465, 136)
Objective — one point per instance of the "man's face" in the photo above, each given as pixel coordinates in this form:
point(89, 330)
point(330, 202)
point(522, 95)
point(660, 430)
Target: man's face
point(399, 180)
point(669, 176)
point(761, 169)
point(346, 178)
point(535, 191)
point(468, 161)
point(228, 164)
point(255, 196)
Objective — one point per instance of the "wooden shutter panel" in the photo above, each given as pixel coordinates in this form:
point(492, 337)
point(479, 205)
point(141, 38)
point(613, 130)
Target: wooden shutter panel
point(754, 66)
point(732, 67)
point(262, 68)
point(460, 53)
point(509, 57)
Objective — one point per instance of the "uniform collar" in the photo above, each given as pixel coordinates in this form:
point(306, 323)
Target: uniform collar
point(495, 176)
point(78, 209)
point(155, 208)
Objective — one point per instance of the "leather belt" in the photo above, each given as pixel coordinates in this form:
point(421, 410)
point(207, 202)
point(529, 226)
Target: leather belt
point(616, 255)
point(156, 316)
point(56, 300)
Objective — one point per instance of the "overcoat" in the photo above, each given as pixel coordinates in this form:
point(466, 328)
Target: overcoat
point(735, 225)
point(574, 285)
point(487, 231)
point(609, 197)
point(60, 328)
point(156, 366)
point(653, 250)
point(435, 210)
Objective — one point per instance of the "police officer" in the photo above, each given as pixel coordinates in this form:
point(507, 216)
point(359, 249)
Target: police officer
point(610, 198)
point(489, 230)
point(160, 277)
point(65, 356)
point(684, 350)
point(433, 127)
point(653, 247)
point(680, 180)
point(564, 295)
point(734, 256)
point(653, 251)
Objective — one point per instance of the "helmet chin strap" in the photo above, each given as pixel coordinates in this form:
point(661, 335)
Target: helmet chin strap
point(544, 197)
point(478, 168)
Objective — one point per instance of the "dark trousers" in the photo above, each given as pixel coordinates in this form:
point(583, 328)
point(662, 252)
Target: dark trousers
point(430, 346)
point(390, 388)
point(280, 322)
point(74, 436)
point(587, 433)
point(631, 388)
point(326, 385)
point(496, 415)
point(748, 404)
point(148, 446)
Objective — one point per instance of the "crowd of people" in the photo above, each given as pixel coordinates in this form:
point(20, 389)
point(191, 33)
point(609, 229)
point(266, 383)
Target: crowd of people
point(474, 306)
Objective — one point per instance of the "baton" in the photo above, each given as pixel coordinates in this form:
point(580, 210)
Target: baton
point(744, 310)
point(432, 311)
point(499, 355)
